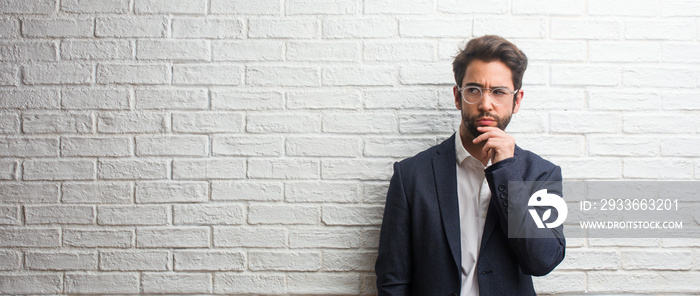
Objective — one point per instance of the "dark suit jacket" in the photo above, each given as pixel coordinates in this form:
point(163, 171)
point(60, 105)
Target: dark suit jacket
point(419, 245)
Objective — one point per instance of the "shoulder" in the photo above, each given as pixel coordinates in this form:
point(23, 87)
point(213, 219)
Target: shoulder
point(532, 163)
point(425, 157)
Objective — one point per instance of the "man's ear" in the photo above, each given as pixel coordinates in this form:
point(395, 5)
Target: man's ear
point(458, 98)
point(518, 99)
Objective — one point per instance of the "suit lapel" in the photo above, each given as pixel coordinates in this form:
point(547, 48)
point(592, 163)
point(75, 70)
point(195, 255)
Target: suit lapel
point(445, 172)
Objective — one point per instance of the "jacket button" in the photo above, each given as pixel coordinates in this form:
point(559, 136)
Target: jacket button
point(501, 187)
point(503, 195)
point(505, 202)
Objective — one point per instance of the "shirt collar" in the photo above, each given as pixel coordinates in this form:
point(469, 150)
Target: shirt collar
point(462, 154)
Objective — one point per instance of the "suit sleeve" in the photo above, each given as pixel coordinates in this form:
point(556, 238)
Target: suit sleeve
point(393, 266)
point(538, 251)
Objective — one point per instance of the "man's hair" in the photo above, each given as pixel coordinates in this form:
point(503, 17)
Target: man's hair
point(491, 48)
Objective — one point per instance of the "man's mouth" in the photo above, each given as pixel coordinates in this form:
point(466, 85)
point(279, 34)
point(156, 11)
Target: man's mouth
point(484, 121)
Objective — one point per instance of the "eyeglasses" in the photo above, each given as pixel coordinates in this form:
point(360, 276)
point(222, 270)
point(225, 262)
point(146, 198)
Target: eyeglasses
point(473, 94)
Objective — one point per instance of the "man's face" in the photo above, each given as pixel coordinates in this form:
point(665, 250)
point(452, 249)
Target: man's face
point(485, 113)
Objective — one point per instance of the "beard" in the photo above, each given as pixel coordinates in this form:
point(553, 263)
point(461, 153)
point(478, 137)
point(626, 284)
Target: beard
point(470, 121)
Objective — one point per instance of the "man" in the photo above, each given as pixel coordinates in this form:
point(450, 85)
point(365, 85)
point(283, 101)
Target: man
point(446, 219)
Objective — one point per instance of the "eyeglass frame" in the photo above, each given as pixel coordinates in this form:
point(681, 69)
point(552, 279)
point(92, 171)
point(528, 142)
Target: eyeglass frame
point(490, 90)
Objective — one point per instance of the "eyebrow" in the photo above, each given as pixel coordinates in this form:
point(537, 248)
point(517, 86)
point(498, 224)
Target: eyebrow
point(482, 86)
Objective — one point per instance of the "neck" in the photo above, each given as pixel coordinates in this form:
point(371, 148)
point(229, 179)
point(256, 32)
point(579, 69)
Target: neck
point(473, 149)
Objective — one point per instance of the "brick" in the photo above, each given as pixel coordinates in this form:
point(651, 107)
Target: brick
point(283, 169)
point(323, 99)
point(322, 51)
point(320, 147)
point(28, 147)
point(207, 74)
point(658, 77)
point(359, 76)
point(127, 169)
point(132, 122)
point(586, 75)
point(244, 145)
point(283, 214)
point(584, 122)
point(368, 284)
point(393, 51)
point(679, 8)
point(426, 74)
point(173, 50)
point(348, 261)
point(628, 282)
point(546, 50)
point(324, 191)
point(396, 147)
point(359, 123)
point(359, 28)
point(578, 260)
point(660, 29)
point(425, 123)
point(352, 215)
point(9, 123)
point(437, 28)
point(371, 238)
point(282, 76)
point(98, 238)
point(171, 192)
point(172, 237)
point(678, 146)
point(624, 8)
point(53, 214)
point(58, 27)
point(247, 51)
point(133, 74)
point(29, 6)
point(61, 260)
point(29, 193)
point(208, 28)
point(531, 122)
point(679, 101)
point(9, 28)
point(235, 190)
point(9, 215)
point(657, 123)
point(134, 27)
point(30, 283)
point(207, 122)
point(106, 147)
point(240, 283)
point(283, 123)
point(319, 238)
point(680, 53)
point(624, 242)
point(10, 260)
point(284, 261)
point(102, 283)
point(538, 74)
point(64, 123)
point(601, 145)
point(399, 7)
point(226, 99)
point(250, 237)
point(176, 282)
point(334, 7)
point(678, 281)
point(133, 215)
point(60, 169)
point(209, 214)
point(210, 168)
point(20, 51)
point(30, 237)
point(561, 282)
point(98, 99)
point(549, 7)
point(474, 6)
point(283, 28)
point(575, 28)
point(553, 145)
point(627, 51)
point(172, 145)
point(96, 50)
point(170, 6)
point(591, 168)
point(9, 75)
point(665, 168)
point(623, 100)
point(134, 260)
point(323, 283)
point(29, 99)
point(266, 7)
point(95, 6)
point(509, 27)
point(209, 260)
point(654, 260)
point(166, 98)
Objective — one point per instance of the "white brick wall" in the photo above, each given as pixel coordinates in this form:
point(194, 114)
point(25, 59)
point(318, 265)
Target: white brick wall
point(245, 147)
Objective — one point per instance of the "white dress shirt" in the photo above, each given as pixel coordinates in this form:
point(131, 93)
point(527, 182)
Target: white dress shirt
point(474, 196)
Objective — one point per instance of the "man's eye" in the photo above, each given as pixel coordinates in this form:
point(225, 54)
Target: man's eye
point(500, 92)
point(473, 90)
